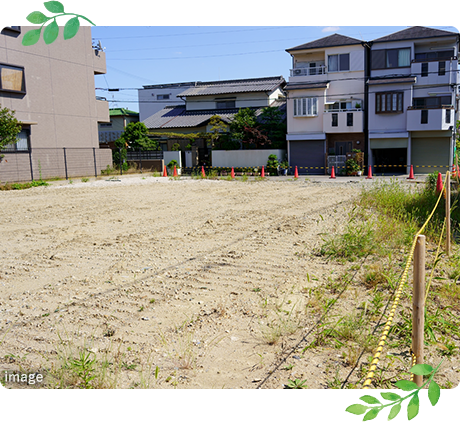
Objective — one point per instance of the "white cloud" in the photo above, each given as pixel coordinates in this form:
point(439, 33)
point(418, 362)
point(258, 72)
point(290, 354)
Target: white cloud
point(330, 29)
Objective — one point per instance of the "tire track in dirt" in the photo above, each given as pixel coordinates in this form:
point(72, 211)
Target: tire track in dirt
point(228, 263)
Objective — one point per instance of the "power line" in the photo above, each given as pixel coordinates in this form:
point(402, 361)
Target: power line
point(197, 33)
point(363, 78)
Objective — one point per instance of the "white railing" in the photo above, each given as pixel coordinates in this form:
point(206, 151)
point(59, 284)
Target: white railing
point(309, 71)
point(342, 110)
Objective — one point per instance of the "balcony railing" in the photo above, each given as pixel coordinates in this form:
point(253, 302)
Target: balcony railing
point(430, 119)
point(309, 71)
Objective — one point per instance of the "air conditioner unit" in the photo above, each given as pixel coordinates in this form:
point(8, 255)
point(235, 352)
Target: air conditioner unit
point(297, 71)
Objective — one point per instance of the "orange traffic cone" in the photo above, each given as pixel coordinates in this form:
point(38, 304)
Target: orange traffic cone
point(439, 186)
point(175, 171)
point(262, 174)
point(455, 171)
point(233, 173)
point(203, 174)
point(165, 174)
point(369, 173)
point(411, 173)
point(296, 173)
point(332, 173)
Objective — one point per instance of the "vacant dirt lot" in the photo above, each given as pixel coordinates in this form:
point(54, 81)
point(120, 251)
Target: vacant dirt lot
point(206, 280)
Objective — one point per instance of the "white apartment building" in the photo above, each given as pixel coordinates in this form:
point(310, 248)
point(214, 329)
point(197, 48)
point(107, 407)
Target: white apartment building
point(325, 101)
point(413, 100)
point(395, 98)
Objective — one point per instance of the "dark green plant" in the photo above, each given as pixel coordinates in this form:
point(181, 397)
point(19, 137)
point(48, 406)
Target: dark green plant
point(84, 367)
point(171, 164)
point(351, 166)
point(272, 164)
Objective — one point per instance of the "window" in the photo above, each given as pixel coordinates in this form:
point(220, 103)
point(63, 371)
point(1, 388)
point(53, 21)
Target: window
point(221, 105)
point(435, 55)
point(424, 69)
point(448, 116)
point(16, 28)
point(22, 144)
point(335, 119)
point(163, 96)
point(387, 59)
point(306, 107)
point(12, 78)
point(389, 102)
point(432, 102)
point(441, 68)
point(339, 62)
point(424, 117)
point(349, 119)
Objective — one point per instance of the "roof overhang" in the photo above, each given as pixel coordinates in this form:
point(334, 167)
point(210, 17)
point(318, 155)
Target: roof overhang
point(306, 85)
point(392, 80)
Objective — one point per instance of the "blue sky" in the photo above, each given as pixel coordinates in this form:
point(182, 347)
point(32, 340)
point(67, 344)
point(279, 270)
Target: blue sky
point(144, 55)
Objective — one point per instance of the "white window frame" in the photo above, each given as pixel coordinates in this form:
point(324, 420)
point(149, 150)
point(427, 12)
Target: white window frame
point(306, 107)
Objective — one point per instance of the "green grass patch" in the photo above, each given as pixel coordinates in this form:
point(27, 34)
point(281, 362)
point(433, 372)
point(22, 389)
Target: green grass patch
point(21, 186)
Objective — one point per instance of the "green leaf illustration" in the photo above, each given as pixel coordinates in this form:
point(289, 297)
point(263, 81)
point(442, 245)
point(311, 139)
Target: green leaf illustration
point(71, 28)
point(434, 393)
point(54, 6)
point(369, 400)
point(31, 37)
point(422, 369)
point(390, 396)
point(37, 18)
point(412, 407)
point(372, 414)
point(357, 409)
point(406, 385)
point(394, 411)
point(51, 32)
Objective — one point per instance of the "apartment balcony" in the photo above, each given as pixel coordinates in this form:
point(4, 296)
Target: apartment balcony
point(430, 118)
point(99, 62)
point(308, 73)
point(343, 121)
point(102, 110)
point(433, 72)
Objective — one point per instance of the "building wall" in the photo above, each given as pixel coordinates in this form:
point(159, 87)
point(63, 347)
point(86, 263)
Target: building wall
point(149, 104)
point(60, 99)
point(245, 158)
point(242, 100)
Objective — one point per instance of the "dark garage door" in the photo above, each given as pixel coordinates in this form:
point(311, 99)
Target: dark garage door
point(308, 156)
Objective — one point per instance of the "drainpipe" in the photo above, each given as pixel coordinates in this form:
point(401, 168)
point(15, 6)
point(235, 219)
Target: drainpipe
point(367, 45)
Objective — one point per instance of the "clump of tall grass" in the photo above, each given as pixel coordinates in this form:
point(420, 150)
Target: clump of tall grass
point(411, 205)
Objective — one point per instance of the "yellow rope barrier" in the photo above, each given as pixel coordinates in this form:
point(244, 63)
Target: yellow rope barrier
point(387, 326)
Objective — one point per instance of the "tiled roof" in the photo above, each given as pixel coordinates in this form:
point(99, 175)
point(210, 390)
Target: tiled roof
point(235, 86)
point(122, 112)
point(334, 40)
point(178, 117)
point(415, 32)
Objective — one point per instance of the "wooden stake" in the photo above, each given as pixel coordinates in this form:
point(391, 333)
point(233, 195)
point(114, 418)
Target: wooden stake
point(448, 214)
point(418, 304)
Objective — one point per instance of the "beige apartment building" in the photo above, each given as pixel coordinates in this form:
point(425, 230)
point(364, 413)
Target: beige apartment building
point(52, 91)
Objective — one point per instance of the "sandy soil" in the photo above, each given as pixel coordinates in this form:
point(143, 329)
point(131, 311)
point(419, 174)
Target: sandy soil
point(194, 277)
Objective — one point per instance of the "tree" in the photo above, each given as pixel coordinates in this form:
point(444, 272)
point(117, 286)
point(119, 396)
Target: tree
point(273, 124)
point(245, 118)
point(255, 138)
point(135, 137)
point(218, 132)
point(132, 139)
point(9, 127)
